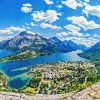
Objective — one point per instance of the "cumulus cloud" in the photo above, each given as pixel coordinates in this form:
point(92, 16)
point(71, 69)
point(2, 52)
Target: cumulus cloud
point(79, 40)
point(27, 24)
point(76, 33)
point(62, 35)
point(26, 8)
point(70, 33)
point(31, 32)
point(5, 38)
point(45, 25)
point(96, 36)
point(87, 0)
point(85, 41)
point(49, 15)
point(72, 27)
point(27, 5)
point(11, 30)
point(73, 30)
point(59, 6)
point(72, 3)
point(32, 24)
point(83, 22)
point(92, 10)
point(87, 35)
point(49, 2)
point(5, 31)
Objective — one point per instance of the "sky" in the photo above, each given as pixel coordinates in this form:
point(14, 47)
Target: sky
point(76, 20)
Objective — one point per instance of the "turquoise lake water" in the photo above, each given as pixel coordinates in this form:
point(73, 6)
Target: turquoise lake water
point(4, 53)
point(17, 70)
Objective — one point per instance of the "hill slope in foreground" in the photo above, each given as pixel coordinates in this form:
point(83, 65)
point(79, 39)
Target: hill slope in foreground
point(91, 93)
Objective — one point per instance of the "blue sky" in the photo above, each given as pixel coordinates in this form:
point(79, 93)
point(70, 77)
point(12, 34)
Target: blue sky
point(76, 20)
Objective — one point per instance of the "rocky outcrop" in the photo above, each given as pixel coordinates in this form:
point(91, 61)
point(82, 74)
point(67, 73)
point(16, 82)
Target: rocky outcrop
point(91, 93)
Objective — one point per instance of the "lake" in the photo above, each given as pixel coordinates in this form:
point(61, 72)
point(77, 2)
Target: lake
point(17, 70)
point(4, 53)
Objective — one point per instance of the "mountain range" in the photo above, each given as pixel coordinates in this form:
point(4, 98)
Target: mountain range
point(95, 48)
point(74, 45)
point(27, 41)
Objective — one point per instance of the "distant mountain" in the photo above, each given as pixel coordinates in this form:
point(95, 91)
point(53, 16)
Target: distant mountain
point(93, 53)
point(61, 46)
point(26, 41)
point(74, 45)
point(95, 48)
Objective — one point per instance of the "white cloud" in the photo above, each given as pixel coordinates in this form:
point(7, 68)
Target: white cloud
point(26, 8)
point(5, 31)
point(59, 6)
point(62, 35)
point(96, 36)
point(45, 25)
point(92, 10)
point(71, 33)
point(87, 0)
point(85, 41)
point(27, 5)
point(83, 22)
point(38, 16)
point(72, 3)
point(73, 30)
point(72, 27)
point(79, 40)
point(11, 30)
point(27, 24)
point(49, 2)
point(76, 33)
point(32, 24)
point(28, 28)
point(16, 29)
point(31, 32)
point(49, 15)
point(87, 35)
point(5, 38)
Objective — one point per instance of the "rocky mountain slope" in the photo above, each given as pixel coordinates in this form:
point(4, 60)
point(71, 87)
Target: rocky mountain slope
point(26, 41)
point(61, 45)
